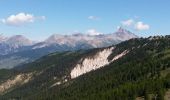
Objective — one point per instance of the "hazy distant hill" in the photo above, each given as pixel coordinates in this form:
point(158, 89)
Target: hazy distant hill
point(137, 68)
point(17, 50)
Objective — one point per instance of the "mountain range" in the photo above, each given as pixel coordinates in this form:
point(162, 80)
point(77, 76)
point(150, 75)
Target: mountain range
point(18, 50)
point(136, 69)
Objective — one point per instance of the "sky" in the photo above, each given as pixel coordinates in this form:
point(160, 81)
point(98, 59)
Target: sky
point(38, 19)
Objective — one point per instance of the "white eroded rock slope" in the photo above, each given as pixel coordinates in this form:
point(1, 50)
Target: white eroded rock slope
point(98, 61)
point(17, 80)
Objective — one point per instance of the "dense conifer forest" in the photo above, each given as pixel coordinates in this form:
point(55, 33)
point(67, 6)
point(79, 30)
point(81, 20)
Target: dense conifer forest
point(143, 73)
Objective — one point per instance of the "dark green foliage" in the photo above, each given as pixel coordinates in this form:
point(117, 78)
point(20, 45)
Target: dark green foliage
point(138, 74)
point(6, 74)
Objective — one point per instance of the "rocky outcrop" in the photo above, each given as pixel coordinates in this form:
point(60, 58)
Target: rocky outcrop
point(17, 80)
point(96, 62)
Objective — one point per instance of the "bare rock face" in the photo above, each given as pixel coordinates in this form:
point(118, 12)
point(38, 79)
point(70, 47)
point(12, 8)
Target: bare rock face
point(99, 60)
point(17, 80)
point(13, 44)
point(19, 50)
point(101, 40)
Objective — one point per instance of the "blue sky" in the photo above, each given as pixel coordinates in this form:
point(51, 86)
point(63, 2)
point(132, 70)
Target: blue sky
point(38, 19)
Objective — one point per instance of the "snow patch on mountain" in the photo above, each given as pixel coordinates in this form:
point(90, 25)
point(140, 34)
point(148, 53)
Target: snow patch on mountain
point(40, 45)
point(98, 61)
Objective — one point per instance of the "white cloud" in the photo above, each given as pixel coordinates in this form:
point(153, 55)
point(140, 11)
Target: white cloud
point(128, 22)
point(141, 26)
point(93, 18)
point(21, 19)
point(93, 32)
point(138, 25)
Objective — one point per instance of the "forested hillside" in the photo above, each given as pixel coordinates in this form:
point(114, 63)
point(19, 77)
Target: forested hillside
point(143, 72)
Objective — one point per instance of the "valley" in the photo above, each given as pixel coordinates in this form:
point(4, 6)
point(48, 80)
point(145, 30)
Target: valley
point(18, 50)
point(84, 50)
point(130, 70)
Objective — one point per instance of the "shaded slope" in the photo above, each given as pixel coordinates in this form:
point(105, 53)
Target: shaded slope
point(138, 73)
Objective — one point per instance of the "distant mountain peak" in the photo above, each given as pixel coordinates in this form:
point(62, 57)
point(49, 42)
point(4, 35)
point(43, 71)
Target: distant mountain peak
point(61, 42)
point(2, 38)
point(125, 34)
point(18, 37)
point(77, 34)
point(19, 40)
point(121, 29)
